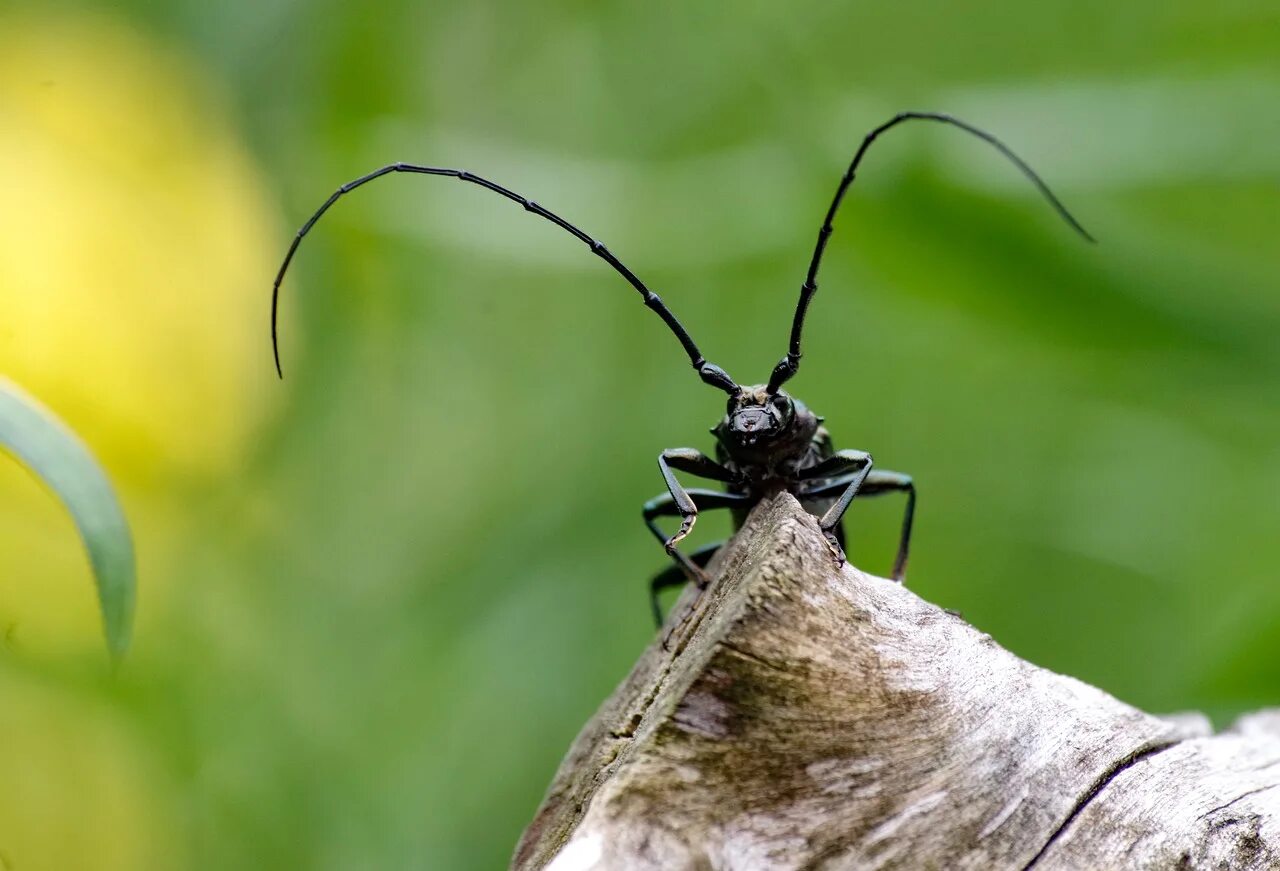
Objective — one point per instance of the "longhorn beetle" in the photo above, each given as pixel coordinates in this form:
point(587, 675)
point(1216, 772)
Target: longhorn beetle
point(767, 440)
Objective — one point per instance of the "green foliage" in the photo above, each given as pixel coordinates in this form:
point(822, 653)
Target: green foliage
point(35, 436)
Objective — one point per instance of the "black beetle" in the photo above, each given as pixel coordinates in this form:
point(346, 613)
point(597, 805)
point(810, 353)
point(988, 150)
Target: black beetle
point(767, 441)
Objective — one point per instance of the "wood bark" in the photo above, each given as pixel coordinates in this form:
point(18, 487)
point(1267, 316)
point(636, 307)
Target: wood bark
point(809, 716)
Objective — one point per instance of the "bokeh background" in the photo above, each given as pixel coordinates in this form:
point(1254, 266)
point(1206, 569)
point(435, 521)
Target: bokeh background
point(379, 598)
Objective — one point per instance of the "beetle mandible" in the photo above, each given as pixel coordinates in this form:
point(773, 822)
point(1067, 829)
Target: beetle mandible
point(767, 441)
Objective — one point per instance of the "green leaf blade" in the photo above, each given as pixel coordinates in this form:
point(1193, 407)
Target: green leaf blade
point(39, 440)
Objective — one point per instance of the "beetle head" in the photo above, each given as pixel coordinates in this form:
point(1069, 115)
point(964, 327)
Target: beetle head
point(756, 418)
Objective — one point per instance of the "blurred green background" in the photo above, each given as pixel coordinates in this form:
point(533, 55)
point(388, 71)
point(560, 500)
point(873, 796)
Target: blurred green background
point(379, 599)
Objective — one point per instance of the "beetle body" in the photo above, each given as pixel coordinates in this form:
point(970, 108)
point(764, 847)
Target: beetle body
point(805, 444)
point(767, 441)
point(766, 464)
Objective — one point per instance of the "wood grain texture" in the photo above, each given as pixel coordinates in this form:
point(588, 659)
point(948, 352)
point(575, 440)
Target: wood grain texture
point(810, 716)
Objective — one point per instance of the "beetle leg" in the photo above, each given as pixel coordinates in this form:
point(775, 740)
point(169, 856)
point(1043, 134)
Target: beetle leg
point(859, 464)
point(669, 505)
point(875, 483)
point(674, 576)
point(839, 463)
point(695, 463)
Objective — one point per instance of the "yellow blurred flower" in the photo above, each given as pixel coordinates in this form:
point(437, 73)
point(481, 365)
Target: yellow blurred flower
point(136, 249)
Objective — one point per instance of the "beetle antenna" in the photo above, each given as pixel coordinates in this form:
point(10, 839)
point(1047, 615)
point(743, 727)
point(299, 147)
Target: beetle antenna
point(710, 373)
point(789, 364)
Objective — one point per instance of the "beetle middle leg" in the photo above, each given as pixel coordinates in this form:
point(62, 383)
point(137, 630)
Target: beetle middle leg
point(875, 483)
point(674, 576)
point(668, 505)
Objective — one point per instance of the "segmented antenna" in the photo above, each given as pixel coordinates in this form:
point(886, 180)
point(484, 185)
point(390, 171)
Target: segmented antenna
point(710, 373)
point(789, 364)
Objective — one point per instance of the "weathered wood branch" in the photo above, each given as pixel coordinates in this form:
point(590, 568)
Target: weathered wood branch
point(819, 718)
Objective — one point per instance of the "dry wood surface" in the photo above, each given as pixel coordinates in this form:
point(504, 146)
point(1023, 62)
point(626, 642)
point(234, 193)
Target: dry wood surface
point(810, 716)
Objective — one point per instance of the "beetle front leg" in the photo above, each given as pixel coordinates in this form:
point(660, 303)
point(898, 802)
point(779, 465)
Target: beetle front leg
point(668, 505)
point(857, 462)
point(695, 463)
point(875, 483)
